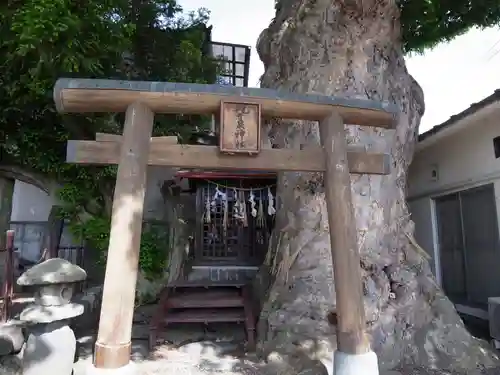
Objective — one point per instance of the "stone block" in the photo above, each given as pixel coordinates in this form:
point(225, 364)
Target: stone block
point(50, 349)
point(11, 339)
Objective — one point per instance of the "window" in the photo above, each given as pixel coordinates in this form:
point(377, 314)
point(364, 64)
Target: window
point(434, 172)
point(496, 146)
point(235, 60)
point(27, 239)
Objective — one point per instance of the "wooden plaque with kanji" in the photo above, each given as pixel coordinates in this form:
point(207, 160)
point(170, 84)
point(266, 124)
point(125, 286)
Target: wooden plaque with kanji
point(240, 128)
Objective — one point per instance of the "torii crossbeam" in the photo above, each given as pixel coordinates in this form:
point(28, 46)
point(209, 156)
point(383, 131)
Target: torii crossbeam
point(241, 110)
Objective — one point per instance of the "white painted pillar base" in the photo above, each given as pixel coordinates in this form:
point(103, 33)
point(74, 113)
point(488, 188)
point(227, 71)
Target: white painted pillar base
point(355, 364)
point(130, 369)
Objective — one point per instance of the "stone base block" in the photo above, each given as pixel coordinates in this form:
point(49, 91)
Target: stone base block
point(130, 369)
point(50, 350)
point(355, 364)
point(11, 339)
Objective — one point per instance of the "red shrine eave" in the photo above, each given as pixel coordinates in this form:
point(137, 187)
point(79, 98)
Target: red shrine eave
point(229, 174)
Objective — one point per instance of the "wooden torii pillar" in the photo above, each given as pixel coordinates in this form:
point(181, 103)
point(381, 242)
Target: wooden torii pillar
point(239, 139)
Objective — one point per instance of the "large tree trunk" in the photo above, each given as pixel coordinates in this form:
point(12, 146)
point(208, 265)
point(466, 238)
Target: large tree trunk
point(6, 192)
point(353, 49)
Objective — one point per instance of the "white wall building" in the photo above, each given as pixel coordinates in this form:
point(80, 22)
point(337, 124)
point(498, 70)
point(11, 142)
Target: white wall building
point(454, 199)
point(31, 208)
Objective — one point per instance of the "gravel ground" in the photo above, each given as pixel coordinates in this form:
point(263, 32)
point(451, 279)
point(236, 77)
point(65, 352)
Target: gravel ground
point(182, 350)
point(200, 358)
point(410, 370)
point(196, 350)
point(225, 357)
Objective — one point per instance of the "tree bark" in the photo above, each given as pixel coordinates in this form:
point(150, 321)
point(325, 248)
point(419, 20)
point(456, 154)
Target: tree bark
point(25, 175)
point(353, 49)
point(6, 192)
point(52, 233)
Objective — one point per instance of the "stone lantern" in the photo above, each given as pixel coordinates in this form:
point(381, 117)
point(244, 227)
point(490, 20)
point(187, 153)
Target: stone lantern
point(51, 344)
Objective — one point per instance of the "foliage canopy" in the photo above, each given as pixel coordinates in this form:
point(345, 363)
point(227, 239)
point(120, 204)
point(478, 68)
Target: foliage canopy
point(43, 40)
point(425, 23)
point(135, 39)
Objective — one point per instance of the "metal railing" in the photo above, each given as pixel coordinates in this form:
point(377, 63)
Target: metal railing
point(25, 229)
point(73, 254)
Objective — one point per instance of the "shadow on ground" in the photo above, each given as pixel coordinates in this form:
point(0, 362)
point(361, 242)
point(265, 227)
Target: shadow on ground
point(219, 349)
point(188, 349)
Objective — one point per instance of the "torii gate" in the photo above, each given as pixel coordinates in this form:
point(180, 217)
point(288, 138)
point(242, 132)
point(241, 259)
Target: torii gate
point(240, 112)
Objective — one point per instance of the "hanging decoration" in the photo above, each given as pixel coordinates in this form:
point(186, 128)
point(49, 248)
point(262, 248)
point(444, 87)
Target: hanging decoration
point(218, 196)
point(243, 209)
point(207, 214)
point(225, 204)
point(260, 215)
point(270, 208)
point(239, 210)
point(238, 205)
point(251, 200)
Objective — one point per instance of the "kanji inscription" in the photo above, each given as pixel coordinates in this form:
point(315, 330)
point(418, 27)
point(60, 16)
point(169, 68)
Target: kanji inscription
point(240, 128)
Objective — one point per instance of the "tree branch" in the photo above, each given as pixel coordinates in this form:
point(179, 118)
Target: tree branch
point(24, 175)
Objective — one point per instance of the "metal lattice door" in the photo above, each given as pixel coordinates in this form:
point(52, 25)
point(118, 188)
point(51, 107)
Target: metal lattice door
point(452, 256)
point(482, 255)
point(224, 238)
point(469, 245)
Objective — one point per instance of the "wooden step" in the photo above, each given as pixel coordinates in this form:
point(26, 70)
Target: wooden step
point(205, 316)
point(206, 299)
point(205, 284)
point(199, 289)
